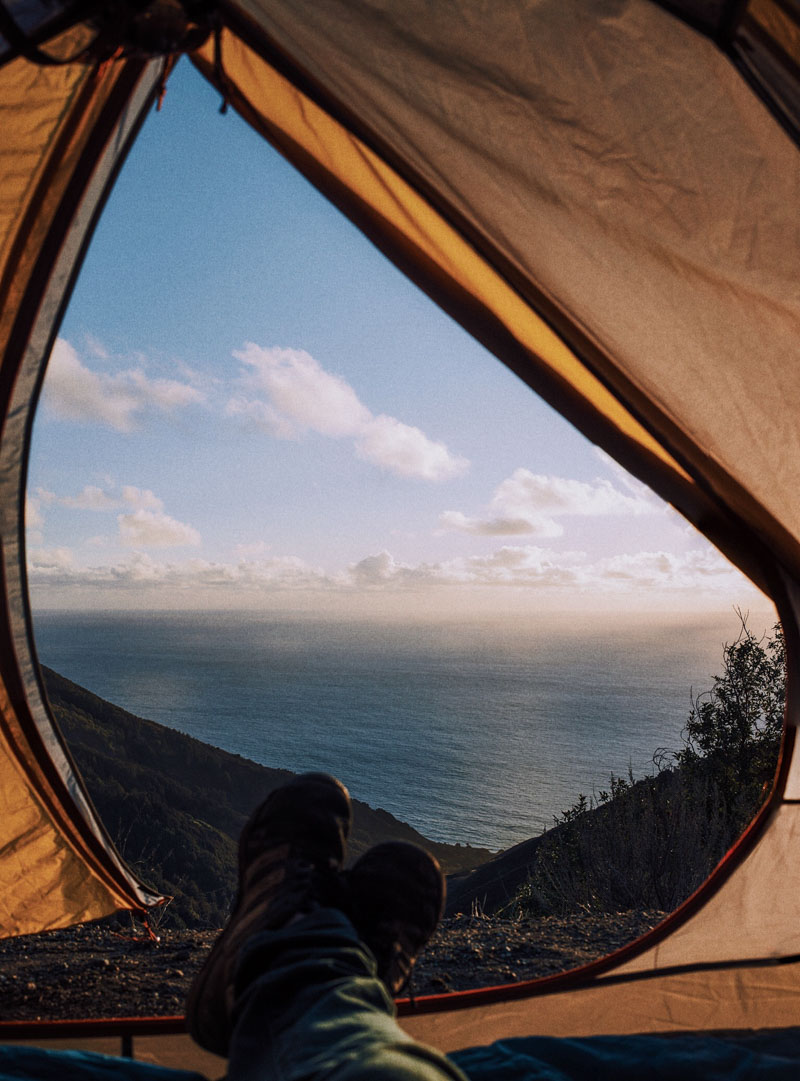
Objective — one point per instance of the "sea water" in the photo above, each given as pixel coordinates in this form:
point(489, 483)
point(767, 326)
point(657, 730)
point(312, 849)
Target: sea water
point(473, 733)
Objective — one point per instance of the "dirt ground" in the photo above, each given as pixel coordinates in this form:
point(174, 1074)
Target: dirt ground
point(95, 971)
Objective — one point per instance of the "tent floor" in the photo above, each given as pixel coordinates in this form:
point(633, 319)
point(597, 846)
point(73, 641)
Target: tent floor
point(769, 1055)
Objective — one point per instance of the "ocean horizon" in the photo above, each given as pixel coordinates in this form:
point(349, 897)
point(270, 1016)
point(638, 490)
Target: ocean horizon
point(473, 732)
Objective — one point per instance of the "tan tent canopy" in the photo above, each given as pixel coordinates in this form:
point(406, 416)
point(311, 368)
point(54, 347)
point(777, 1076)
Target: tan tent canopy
point(605, 192)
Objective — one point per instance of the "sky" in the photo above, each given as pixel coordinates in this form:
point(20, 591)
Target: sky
point(248, 406)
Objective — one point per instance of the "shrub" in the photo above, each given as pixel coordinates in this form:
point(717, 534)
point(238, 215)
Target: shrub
point(650, 843)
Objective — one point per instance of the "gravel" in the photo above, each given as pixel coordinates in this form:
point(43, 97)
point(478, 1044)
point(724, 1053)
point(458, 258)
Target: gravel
point(96, 971)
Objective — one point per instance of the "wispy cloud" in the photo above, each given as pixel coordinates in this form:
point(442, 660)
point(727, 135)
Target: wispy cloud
point(72, 391)
point(524, 567)
point(530, 566)
point(94, 498)
point(455, 521)
point(154, 529)
point(34, 518)
point(57, 567)
point(287, 393)
point(143, 523)
point(91, 498)
point(531, 503)
point(284, 393)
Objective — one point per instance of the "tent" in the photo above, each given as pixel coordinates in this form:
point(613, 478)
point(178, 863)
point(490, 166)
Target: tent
point(605, 193)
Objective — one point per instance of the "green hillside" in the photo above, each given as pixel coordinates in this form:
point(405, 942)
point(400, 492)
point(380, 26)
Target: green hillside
point(175, 805)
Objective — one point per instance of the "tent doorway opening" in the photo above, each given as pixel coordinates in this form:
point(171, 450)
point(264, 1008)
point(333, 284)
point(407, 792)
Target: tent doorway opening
point(280, 504)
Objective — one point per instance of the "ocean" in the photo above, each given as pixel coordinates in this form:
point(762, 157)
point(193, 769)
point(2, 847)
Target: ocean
point(476, 733)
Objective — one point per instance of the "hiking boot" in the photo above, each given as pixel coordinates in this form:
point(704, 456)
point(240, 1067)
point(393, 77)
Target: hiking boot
point(291, 851)
point(396, 895)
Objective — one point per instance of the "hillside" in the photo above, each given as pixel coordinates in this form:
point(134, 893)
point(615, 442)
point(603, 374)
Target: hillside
point(175, 805)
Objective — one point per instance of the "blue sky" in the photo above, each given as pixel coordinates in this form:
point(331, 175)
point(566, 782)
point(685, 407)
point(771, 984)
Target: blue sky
point(249, 406)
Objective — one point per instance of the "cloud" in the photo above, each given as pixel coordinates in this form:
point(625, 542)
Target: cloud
point(302, 391)
point(91, 498)
point(572, 574)
point(142, 498)
point(696, 569)
point(57, 568)
point(34, 519)
point(74, 392)
point(301, 396)
point(529, 502)
point(522, 566)
point(261, 417)
point(96, 347)
point(46, 564)
point(534, 567)
point(256, 550)
point(165, 394)
point(455, 521)
point(34, 514)
point(526, 494)
point(388, 442)
point(154, 529)
point(143, 523)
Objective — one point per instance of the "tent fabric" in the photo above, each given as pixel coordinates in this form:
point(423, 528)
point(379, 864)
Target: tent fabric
point(762, 39)
point(736, 998)
point(767, 49)
point(57, 864)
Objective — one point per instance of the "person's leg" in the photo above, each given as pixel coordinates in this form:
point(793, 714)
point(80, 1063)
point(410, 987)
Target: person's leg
point(310, 1005)
point(299, 983)
point(291, 853)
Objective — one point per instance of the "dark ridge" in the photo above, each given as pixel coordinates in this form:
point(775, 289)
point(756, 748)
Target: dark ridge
point(175, 805)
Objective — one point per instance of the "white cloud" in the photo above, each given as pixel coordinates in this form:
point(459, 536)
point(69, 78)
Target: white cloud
point(256, 550)
point(302, 391)
point(375, 570)
point(302, 396)
point(694, 574)
point(48, 563)
point(261, 417)
point(141, 498)
point(455, 521)
point(523, 566)
point(91, 498)
point(74, 392)
point(154, 529)
point(165, 394)
point(407, 451)
point(527, 494)
point(696, 569)
point(96, 348)
point(56, 568)
point(94, 498)
point(533, 567)
point(529, 502)
point(34, 519)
